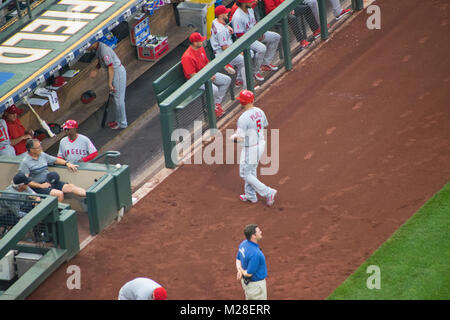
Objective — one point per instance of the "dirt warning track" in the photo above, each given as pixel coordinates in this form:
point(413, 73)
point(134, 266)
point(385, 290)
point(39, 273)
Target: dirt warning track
point(364, 143)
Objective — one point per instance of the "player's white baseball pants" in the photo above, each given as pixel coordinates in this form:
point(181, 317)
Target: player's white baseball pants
point(248, 165)
point(337, 9)
point(239, 65)
point(7, 150)
point(220, 86)
point(265, 51)
point(120, 84)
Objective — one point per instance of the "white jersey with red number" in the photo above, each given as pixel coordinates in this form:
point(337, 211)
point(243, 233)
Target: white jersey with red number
point(76, 150)
point(5, 142)
point(250, 126)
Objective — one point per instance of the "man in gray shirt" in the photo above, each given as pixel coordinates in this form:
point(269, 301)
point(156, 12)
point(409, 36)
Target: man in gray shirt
point(142, 289)
point(117, 81)
point(18, 201)
point(35, 165)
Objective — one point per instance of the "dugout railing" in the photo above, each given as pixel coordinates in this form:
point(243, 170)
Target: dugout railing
point(37, 225)
point(169, 106)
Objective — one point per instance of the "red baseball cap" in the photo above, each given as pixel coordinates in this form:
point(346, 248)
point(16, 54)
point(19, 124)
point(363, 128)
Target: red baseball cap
point(246, 1)
point(59, 81)
point(13, 109)
point(221, 10)
point(70, 124)
point(196, 37)
point(160, 293)
point(246, 97)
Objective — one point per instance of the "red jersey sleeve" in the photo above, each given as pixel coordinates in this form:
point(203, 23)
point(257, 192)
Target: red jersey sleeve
point(270, 5)
point(90, 157)
point(187, 63)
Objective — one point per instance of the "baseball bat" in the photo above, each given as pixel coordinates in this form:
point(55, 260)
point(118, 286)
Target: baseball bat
point(42, 122)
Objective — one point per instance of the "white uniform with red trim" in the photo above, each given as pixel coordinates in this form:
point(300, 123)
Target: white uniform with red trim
point(250, 127)
point(220, 36)
point(108, 57)
point(76, 150)
point(6, 149)
point(264, 51)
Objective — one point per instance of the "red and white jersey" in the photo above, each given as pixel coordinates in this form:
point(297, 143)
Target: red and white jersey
point(220, 36)
point(76, 150)
point(242, 22)
point(5, 142)
point(4, 136)
point(250, 126)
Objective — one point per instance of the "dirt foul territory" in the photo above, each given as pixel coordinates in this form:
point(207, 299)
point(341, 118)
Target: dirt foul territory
point(364, 143)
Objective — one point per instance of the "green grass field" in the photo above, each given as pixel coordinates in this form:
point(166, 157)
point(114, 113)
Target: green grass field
point(414, 263)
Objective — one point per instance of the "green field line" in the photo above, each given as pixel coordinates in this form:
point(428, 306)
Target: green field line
point(414, 263)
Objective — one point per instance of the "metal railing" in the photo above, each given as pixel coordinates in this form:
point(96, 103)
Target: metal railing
point(43, 211)
point(19, 11)
point(203, 77)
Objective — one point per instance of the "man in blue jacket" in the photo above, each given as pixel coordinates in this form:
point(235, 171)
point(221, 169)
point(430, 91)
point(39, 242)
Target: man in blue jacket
point(251, 265)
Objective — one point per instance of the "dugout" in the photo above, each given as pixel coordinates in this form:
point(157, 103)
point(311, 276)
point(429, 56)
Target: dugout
point(108, 192)
point(33, 245)
point(71, 55)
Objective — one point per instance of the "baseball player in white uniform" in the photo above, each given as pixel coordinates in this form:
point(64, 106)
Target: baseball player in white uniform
point(250, 133)
point(142, 289)
point(6, 149)
point(221, 40)
point(243, 20)
point(75, 147)
point(117, 81)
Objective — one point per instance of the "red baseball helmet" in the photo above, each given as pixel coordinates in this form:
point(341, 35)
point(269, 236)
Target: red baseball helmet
point(160, 293)
point(246, 97)
point(70, 124)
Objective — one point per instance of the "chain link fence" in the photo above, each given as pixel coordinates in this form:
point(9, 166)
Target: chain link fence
point(13, 208)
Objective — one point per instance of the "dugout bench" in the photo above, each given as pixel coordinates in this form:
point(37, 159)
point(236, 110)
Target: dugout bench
point(174, 78)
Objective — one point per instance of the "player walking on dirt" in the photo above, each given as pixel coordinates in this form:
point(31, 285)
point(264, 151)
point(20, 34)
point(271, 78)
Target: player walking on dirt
point(249, 132)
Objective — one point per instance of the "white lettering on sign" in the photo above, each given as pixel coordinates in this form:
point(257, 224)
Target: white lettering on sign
point(82, 5)
point(16, 55)
point(33, 36)
point(53, 26)
point(40, 79)
point(55, 69)
point(70, 27)
point(70, 57)
point(99, 35)
point(70, 15)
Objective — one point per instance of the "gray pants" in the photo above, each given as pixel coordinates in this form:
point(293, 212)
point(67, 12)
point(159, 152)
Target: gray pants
point(7, 150)
point(255, 290)
point(337, 9)
point(265, 51)
point(220, 86)
point(120, 84)
point(248, 165)
point(239, 65)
